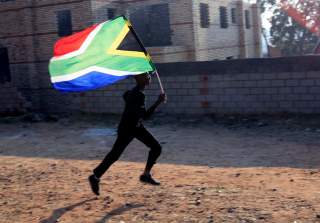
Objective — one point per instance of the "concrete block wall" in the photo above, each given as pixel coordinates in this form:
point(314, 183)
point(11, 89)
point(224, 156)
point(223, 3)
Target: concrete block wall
point(235, 86)
point(244, 86)
point(104, 100)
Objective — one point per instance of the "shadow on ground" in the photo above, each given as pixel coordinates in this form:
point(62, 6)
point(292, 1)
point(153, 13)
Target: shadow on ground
point(118, 211)
point(58, 213)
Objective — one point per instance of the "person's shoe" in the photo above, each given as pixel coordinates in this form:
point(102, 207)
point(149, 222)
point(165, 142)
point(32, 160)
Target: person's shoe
point(148, 179)
point(94, 183)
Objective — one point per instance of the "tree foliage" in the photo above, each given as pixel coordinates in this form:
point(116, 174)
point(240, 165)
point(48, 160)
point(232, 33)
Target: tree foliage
point(293, 31)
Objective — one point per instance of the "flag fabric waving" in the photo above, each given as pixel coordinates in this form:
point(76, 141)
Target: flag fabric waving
point(98, 56)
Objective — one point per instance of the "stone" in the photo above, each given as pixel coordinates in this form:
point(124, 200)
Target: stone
point(231, 210)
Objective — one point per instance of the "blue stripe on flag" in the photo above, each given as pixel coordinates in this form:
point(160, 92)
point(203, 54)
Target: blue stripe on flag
point(90, 81)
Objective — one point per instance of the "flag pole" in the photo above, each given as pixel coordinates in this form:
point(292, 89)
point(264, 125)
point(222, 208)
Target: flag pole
point(145, 51)
point(161, 87)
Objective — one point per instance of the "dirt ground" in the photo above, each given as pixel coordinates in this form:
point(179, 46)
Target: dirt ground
point(213, 169)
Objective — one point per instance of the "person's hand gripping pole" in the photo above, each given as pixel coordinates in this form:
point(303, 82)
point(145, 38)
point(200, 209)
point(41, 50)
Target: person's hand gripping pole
point(162, 96)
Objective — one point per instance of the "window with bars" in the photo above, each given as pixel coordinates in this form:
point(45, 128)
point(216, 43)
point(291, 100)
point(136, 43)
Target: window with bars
point(233, 15)
point(223, 17)
point(247, 18)
point(204, 15)
point(152, 30)
point(64, 23)
point(4, 66)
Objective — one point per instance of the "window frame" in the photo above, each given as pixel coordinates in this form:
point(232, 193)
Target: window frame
point(234, 15)
point(247, 19)
point(223, 13)
point(152, 31)
point(204, 15)
point(64, 22)
point(5, 72)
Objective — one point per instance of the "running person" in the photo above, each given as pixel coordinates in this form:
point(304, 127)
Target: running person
point(131, 127)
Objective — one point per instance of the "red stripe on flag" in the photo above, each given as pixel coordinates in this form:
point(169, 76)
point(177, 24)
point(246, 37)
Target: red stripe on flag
point(71, 43)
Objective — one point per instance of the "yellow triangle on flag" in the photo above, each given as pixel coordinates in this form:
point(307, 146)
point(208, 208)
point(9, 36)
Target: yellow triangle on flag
point(122, 35)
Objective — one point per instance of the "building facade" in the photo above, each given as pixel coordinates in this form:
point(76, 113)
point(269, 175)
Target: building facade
point(189, 30)
point(172, 31)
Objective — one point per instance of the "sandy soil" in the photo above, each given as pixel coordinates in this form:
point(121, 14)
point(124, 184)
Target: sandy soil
point(211, 171)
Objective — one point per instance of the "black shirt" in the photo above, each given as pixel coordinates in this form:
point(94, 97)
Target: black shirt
point(134, 111)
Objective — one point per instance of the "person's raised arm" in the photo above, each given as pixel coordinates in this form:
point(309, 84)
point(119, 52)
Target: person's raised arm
point(162, 98)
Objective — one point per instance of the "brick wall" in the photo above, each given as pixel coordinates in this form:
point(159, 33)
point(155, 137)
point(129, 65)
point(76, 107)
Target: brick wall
point(100, 10)
point(190, 42)
point(215, 42)
point(28, 29)
point(181, 26)
point(11, 101)
point(235, 86)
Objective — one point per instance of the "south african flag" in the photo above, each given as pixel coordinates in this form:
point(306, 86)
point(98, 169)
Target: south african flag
point(98, 56)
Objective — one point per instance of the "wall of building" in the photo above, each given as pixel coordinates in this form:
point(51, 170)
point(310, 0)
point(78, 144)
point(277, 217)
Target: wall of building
point(100, 10)
point(215, 42)
point(249, 33)
point(29, 31)
point(171, 54)
point(181, 30)
point(181, 26)
point(234, 86)
point(11, 101)
point(256, 30)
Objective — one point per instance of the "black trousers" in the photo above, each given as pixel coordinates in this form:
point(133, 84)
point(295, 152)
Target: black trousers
point(122, 141)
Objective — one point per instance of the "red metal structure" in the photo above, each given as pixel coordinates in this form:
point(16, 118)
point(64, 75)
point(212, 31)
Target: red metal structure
point(301, 18)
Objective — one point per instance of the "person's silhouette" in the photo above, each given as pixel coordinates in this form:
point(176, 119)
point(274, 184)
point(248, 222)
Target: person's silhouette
point(131, 127)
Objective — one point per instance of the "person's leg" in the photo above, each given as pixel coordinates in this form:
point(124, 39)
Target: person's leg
point(120, 144)
point(155, 150)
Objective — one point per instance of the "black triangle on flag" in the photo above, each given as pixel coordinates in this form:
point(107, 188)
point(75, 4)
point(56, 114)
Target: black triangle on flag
point(130, 43)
